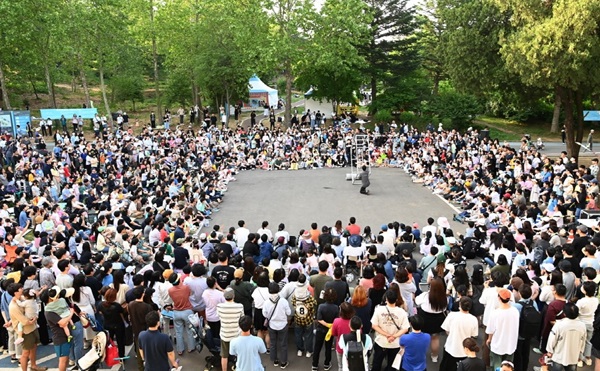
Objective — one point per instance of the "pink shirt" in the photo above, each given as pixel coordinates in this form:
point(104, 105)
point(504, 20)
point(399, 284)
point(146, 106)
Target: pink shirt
point(340, 327)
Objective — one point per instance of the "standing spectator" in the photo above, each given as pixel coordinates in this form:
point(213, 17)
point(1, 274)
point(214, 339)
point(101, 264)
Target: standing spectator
point(362, 307)
point(223, 272)
point(459, 326)
point(56, 324)
point(277, 322)
point(247, 348)
point(304, 306)
point(326, 314)
point(357, 335)
point(415, 345)
point(527, 330)
point(230, 313)
point(364, 181)
point(471, 362)
point(156, 349)
point(587, 308)
point(390, 323)
point(114, 319)
point(590, 141)
point(554, 312)
point(182, 308)
point(341, 327)
point(260, 296)
point(31, 336)
point(431, 306)
point(243, 291)
point(197, 283)
point(341, 288)
point(503, 330)
point(318, 282)
point(138, 310)
point(567, 340)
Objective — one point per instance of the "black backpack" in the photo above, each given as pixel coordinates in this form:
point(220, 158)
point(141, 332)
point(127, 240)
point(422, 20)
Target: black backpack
point(530, 320)
point(356, 360)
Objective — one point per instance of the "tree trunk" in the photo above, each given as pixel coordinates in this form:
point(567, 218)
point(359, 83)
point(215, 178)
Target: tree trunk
point(437, 76)
point(566, 96)
point(5, 97)
point(556, 114)
point(103, 89)
point(373, 93)
point(194, 93)
point(155, 62)
point(86, 90)
point(34, 88)
point(288, 93)
point(579, 116)
point(49, 84)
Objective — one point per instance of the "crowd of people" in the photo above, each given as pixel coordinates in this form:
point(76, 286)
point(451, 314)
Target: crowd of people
point(115, 233)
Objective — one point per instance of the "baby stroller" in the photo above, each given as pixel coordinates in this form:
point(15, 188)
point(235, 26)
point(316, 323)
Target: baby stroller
point(92, 359)
point(203, 337)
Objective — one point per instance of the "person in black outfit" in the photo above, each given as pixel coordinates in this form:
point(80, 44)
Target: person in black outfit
point(326, 313)
point(341, 288)
point(114, 319)
point(251, 248)
point(181, 257)
point(471, 363)
point(223, 272)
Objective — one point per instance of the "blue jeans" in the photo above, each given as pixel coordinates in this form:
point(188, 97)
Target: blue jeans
point(304, 338)
point(77, 348)
point(180, 319)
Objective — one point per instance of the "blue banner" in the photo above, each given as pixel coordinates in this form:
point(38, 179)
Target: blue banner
point(20, 119)
point(54, 114)
point(591, 115)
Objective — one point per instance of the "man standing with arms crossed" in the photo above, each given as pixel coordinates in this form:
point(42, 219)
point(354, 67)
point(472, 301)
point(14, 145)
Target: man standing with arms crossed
point(230, 313)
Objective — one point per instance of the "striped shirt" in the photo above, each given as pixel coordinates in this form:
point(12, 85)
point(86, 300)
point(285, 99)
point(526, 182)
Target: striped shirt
point(230, 313)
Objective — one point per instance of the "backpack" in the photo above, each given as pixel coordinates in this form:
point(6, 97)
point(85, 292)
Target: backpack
point(538, 254)
point(356, 360)
point(530, 320)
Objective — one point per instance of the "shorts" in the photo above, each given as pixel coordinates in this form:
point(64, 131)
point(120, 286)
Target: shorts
point(62, 350)
point(224, 349)
point(31, 340)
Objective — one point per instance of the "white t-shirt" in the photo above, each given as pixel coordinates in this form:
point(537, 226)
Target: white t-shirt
point(587, 308)
point(241, 235)
point(284, 234)
point(266, 231)
point(385, 317)
point(459, 326)
point(504, 324)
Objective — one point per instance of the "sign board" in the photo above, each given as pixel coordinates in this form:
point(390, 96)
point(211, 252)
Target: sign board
point(55, 114)
point(20, 119)
point(591, 115)
point(6, 125)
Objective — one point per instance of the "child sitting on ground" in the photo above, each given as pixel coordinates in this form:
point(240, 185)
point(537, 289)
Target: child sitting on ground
point(30, 309)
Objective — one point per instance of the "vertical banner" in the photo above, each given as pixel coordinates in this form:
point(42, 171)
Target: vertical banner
point(20, 119)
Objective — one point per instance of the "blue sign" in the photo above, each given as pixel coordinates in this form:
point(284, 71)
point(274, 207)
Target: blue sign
point(55, 114)
point(591, 115)
point(20, 119)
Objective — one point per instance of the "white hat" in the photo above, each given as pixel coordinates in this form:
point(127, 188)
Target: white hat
point(548, 267)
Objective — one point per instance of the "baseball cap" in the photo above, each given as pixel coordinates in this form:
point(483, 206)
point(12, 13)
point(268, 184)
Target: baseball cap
point(504, 294)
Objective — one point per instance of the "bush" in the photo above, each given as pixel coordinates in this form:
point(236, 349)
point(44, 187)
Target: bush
point(457, 107)
point(383, 116)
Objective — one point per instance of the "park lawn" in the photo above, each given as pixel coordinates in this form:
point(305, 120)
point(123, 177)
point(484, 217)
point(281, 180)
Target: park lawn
point(512, 131)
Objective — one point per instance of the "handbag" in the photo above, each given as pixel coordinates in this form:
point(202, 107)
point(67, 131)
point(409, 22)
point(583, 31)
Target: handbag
point(112, 353)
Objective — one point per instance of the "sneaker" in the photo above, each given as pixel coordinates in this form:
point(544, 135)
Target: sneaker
point(588, 361)
point(14, 360)
point(327, 367)
point(434, 359)
point(284, 365)
point(537, 368)
point(308, 354)
point(276, 363)
point(537, 350)
point(71, 362)
point(580, 364)
point(19, 341)
point(268, 351)
point(314, 368)
point(299, 353)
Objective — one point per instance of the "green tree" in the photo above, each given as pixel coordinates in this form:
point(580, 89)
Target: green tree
point(391, 48)
point(333, 64)
point(555, 44)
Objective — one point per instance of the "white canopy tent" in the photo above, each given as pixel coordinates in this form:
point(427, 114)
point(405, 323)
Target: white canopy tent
point(261, 92)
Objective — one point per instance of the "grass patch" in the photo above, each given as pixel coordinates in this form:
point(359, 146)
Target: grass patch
point(511, 130)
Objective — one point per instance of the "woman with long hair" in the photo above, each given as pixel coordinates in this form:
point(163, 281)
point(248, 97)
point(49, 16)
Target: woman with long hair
point(114, 319)
point(260, 296)
point(407, 288)
point(119, 285)
point(362, 305)
point(400, 303)
point(84, 298)
point(377, 291)
point(431, 306)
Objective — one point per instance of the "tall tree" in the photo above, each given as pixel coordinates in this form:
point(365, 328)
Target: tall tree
point(333, 63)
point(391, 47)
point(292, 22)
point(555, 44)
